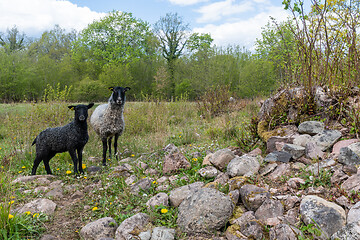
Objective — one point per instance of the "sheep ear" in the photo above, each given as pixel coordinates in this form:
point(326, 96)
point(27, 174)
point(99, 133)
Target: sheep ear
point(90, 105)
point(71, 107)
point(127, 89)
point(111, 88)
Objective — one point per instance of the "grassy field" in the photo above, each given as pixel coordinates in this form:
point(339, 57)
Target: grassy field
point(149, 127)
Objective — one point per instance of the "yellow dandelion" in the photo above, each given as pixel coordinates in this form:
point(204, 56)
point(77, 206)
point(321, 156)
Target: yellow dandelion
point(154, 182)
point(164, 210)
point(83, 166)
point(20, 171)
point(95, 208)
point(11, 216)
point(12, 197)
point(85, 177)
point(132, 155)
point(27, 212)
point(35, 215)
point(194, 159)
point(180, 136)
point(70, 164)
point(58, 169)
point(11, 202)
point(23, 167)
point(68, 172)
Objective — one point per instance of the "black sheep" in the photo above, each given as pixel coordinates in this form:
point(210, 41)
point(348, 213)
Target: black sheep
point(71, 137)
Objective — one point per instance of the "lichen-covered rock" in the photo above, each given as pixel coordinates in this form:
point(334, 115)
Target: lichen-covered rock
point(177, 195)
point(327, 138)
point(329, 216)
point(269, 209)
point(204, 212)
point(101, 228)
point(253, 196)
point(40, 205)
point(157, 200)
point(349, 232)
point(354, 213)
point(174, 162)
point(278, 156)
point(282, 232)
point(311, 127)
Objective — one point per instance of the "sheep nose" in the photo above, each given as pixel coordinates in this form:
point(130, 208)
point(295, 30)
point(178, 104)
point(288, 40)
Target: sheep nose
point(118, 101)
point(82, 118)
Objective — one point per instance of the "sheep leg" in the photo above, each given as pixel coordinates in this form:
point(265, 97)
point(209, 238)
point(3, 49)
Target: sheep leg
point(46, 162)
point(104, 141)
point(36, 164)
point(75, 160)
point(115, 145)
point(79, 152)
point(109, 146)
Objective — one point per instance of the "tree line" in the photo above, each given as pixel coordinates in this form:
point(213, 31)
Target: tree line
point(166, 62)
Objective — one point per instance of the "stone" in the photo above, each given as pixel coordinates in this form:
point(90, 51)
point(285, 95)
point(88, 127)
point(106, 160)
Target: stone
point(101, 228)
point(208, 172)
point(135, 223)
point(311, 127)
point(329, 216)
point(206, 161)
point(295, 182)
point(177, 195)
point(354, 213)
point(350, 155)
point(271, 143)
point(282, 232)
point(278, 156)
point(313, 151)
point(280, 170)
point(141, 185)
point(352, 184)
point(174, 162)
point(163, 233)
point(316, 167)
point(204, 212)
point(349, 232)
point(157, 200)
point(302, 140)
point(171, 148)
point(234, 195)
point(24, 179)
point(296, 151)
point(55, 193)
point(269, 209)
point(343, 143)
point(267, 169)
point(243, 166)
point(253, 196)
point(256, 152)
point(327, 138)
point(221, 158)
point(338, 177)
point(40, 205)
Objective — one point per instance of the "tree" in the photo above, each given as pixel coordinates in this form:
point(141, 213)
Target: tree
point(172, 34)
point(14, 40)
point(116, 38)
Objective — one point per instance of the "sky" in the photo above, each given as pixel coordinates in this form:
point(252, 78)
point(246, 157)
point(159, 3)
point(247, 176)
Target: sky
point(229, 22)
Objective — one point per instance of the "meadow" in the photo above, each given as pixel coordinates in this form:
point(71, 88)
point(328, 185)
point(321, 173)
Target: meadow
point(150, 126)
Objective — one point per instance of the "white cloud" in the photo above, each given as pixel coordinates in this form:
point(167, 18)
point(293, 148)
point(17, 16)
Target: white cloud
point(187, 2)
point(216, 11)
point(242, 32)
point(36, 16)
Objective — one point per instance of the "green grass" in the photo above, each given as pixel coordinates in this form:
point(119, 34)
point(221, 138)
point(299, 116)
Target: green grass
point(149, 128)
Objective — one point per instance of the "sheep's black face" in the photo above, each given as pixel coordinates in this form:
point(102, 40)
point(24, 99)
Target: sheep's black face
point(118, 95)
point(81, 111)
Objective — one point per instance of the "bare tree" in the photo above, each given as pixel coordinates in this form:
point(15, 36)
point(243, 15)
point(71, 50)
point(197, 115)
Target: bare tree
point(172, 34)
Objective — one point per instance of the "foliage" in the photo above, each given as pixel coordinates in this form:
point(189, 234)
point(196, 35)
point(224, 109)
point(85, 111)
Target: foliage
point(214, 102)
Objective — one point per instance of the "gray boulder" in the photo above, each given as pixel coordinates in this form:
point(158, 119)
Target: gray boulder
point(278, 156)
point(221, 158)
point(137, 222)
point(177, 195)
point(269, 209)
point(174, 162)
point(101, 228)
point(327, 138)
point(296, 151)
point(352, 184)
point(163, 233)
point(208, 172)
point(157, 200)
point(204, 212)
point(349, 232)
point(311, 127)
point(282, 232)
point(350, 155)
point(354, 213)
point(243, 166)
point(329, 216)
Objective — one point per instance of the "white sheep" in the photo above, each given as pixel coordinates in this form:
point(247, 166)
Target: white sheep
point(108, 121)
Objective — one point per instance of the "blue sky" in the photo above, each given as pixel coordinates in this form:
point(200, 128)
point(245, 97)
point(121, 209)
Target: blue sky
point(230, 22)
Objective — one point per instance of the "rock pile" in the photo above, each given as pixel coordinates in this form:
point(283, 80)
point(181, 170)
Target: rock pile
point(251, 209)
